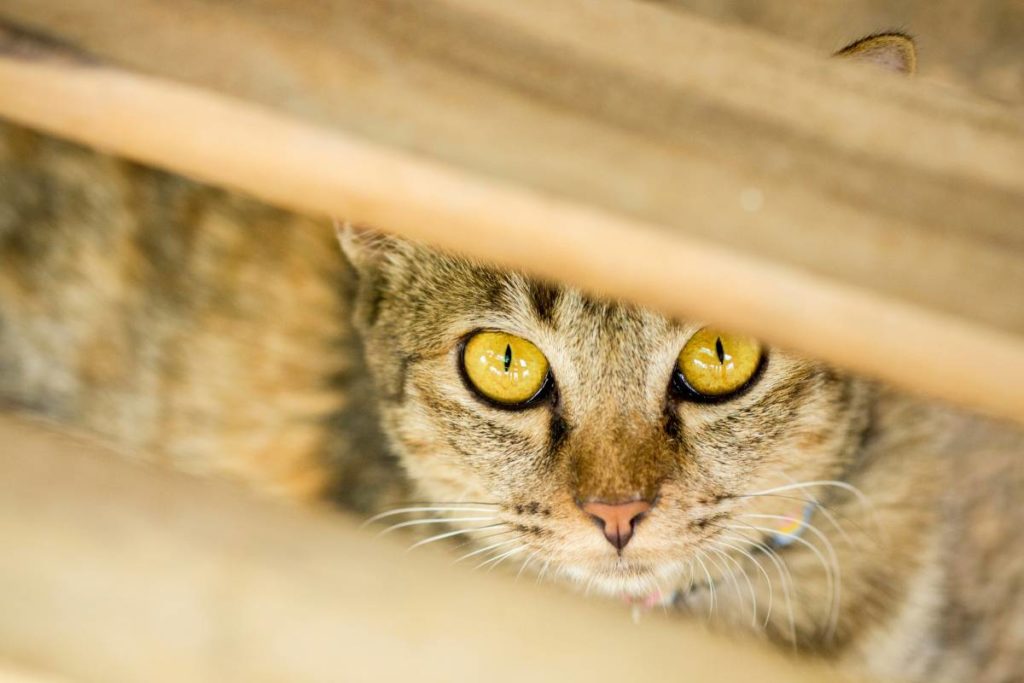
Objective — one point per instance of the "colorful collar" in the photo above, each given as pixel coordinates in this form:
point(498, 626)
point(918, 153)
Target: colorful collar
point(793, 527)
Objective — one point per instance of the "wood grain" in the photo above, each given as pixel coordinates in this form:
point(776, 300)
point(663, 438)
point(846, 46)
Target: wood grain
point(116, 572)
point(321, 170)
point(859, 176)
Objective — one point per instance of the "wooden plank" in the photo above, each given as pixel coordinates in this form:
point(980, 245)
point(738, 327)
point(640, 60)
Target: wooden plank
point(113, 572)
point(698, 129)
point(12, 674)
point(328, 171)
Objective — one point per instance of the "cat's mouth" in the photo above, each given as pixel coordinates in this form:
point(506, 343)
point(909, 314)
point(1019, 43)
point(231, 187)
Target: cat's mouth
point(631, 580)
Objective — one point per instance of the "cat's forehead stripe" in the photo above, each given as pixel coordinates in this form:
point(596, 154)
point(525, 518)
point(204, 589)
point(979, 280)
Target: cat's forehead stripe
point(544, 297)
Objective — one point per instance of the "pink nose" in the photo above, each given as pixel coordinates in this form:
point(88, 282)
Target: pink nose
point(617, 519)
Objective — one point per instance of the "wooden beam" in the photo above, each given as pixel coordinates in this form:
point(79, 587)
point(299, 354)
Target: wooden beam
point(112, 571)
point(701, 130)
point(961, 357)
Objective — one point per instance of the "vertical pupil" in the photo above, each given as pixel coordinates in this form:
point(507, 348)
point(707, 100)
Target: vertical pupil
point(719, 349)
point(508, 356)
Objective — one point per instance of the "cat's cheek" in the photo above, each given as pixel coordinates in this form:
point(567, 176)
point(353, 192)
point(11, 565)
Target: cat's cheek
point(438, 474)
point(427, 458)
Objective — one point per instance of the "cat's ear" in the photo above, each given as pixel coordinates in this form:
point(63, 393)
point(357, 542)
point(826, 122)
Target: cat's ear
point(366, 249)
point(891, 51)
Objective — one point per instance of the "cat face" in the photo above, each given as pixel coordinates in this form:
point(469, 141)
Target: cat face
point(605, 465)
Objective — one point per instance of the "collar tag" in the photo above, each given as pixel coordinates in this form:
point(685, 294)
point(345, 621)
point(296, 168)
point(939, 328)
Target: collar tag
point(791, 530)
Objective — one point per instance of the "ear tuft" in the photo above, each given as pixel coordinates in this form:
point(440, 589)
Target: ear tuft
point(365, 248)
point(360, 245)
point(892, 51)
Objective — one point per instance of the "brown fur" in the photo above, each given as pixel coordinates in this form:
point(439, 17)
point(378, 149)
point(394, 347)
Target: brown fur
point(185, 323)
point(800, 422)
point(201, 329)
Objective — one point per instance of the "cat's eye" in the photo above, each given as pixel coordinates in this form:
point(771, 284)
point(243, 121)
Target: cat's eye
point(716, 364)
point(504, 368)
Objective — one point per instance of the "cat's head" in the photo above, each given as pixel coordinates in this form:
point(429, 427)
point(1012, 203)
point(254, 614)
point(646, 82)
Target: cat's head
point(607, 440)
point(599, 439)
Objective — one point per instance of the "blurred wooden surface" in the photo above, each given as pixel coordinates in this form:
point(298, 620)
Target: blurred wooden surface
point(974, 45)
point(905, 316)
point(114, 572)
point(10, 674)
point(702, 130)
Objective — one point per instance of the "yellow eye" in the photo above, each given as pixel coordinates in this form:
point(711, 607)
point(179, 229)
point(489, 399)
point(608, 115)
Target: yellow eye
point(716, 363)
point(504, 368)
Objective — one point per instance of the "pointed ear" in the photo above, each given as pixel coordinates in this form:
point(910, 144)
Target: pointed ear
point(366, 249)
point(891, 51)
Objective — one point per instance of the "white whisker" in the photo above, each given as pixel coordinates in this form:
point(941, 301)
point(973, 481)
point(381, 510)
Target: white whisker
point(478, 539)
point(495, 561)
point(457, 532)
point(757, 564)
point(819, 506)
point(784, 576)
point(711, 584)
point(727, 574)
point(543, 571)
point(425, 508)
point(864, 500)
point(750, 585)
point(434, 520)
point(826, 513)
point(486, 548)
point(829, 576)
point(526, 563)
point(834, 574)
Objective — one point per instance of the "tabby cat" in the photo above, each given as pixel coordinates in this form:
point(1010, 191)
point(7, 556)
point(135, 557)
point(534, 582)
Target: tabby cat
point(659, 460)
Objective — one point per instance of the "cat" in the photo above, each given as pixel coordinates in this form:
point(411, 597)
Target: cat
point(820, 510)
point(660, 460)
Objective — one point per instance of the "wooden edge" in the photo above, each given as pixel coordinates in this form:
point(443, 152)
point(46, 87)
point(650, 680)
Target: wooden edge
point(115, 571)
point(282, 161)
point(9, 673)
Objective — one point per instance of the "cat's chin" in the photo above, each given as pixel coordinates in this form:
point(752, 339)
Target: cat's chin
point(631, 581)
